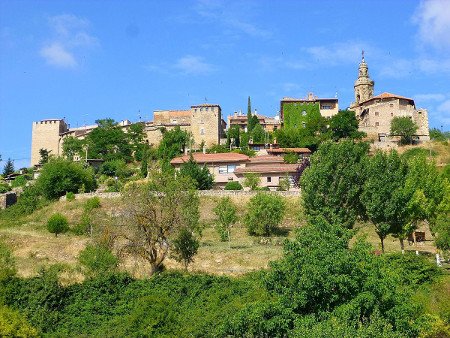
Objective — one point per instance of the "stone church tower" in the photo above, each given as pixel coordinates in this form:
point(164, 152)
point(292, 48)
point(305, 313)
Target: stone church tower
point(363, 85)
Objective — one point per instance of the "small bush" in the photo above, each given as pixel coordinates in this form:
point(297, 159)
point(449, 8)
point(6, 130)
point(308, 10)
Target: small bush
point(70, 196)
point(7, 263)
point(57, 224)
point(291, 158)
point(4, 187)
point(92, 203)
point(13, 324)
point(19, 181)
point(233, 185)
point(97, 260)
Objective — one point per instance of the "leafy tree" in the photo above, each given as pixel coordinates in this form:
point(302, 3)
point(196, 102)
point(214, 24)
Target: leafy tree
point(60, 176)
point(97, 259)
point(4, 187)
point(115, 168)
point(19, 181)
point(201, 176)
point(383, 195)
point(57, 224)
point(252, 122)
point(437, 135)
point(185, 247)
point(225, 211)
point(233, 136)
point(8, 169)
point(155, 213)
point(73, 146)
point(173, 143)
point(291, 158)
point(258, 133)
point(299, 171)
point(44, 156)
point(285, 183)
point(332, 185)
point(405, 127)
point(108, 141)
point(441, 225)
point(264, 213)
point(233, 185)
point(345, 125)
point(251, 180)
point(7, 263)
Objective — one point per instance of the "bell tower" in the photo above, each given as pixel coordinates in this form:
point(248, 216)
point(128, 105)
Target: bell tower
point(363, 84)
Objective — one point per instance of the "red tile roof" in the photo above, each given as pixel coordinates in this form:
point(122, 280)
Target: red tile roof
point(268, 168)
point(387, 95)
point(266, 159)
point(211, 158)
point(289, 150)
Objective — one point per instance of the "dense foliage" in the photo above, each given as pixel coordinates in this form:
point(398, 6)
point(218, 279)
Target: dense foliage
point(264, 213)
point(404, 127)
point(225, 211)
point(57, 224)
point(200, 175)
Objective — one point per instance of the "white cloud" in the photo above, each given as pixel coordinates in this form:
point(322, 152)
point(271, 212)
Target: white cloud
point(70, 37)
point(195, 65)
point(55, 54)
point(338, 53)
point(433, 19)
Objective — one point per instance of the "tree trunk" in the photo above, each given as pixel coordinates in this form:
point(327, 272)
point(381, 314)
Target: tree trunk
point(382, 244)
point(402, 245)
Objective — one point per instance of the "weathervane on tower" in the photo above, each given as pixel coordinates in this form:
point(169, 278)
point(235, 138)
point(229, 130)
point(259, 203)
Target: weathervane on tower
point(362, 55)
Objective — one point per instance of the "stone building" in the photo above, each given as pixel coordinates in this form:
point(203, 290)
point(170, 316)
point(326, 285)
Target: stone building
point(268, 123)
point(327, 107)
point(375, 113)
point(203, 121)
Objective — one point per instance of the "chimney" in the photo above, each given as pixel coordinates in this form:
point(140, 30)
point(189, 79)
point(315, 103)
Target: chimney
point(235, 114)
point(204, 149)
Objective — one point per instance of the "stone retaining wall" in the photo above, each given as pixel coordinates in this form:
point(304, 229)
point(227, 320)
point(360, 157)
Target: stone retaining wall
point(217, 193)
point(7, 199)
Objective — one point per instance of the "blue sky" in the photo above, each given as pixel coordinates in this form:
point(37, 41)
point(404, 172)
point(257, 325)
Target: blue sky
point(86, 60)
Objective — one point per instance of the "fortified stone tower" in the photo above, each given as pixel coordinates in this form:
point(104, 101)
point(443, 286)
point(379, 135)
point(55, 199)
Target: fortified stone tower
point(46, 135)
point(363, 85)
point(206, 124)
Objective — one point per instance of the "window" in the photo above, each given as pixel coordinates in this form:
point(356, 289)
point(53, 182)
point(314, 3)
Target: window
point(206, 108)
point(326, 106)
point(392, 114)
point(269, 179)
point(225, 169)
point(391, 104)
point(377, 113)
point(202, 131)
point(377, 124)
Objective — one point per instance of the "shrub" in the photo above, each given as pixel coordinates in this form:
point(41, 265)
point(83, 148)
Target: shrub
point(201, 176)
point(185, 247)
point(233, 185)
point(29, 200)
point(97, 260)
point(57, 224)
point(115, 168)
point(70, 196)
point(264, 213)
point(4, 187)
point(291, 158)
point(251, 180)
point(7, 263)
point(20, 181)
point(92, 203)
point(60, 176)
point(13, 324)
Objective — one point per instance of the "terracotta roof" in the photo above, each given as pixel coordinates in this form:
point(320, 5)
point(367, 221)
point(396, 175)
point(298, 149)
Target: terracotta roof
point(266, 159)
point(268, 168)
point(211, 158)
point(288, 150)
point(387, 95)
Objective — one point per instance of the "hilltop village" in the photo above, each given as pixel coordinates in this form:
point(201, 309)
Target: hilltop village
point(207, 127)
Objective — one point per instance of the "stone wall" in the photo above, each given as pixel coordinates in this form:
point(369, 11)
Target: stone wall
point(7, 199)
point(213, 193)
point(45, 135)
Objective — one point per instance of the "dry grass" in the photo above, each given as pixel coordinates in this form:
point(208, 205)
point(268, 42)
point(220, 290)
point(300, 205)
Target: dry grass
point(34, 247)
point(441, 151)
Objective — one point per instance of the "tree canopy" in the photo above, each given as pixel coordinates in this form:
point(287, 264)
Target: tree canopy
point(404, 127)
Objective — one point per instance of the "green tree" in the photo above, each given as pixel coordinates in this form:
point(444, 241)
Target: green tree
point(258, 133)
point(264, 213)
point(252, 123)
point(251, 180)
point(383, 194)
point(437, 135)
point(185, 247)
point(57, 224)
point(404, 127)
point(332, 185)
point(233, 136)
point(441, 225)
point(8, 169)
point(225, 211)
point(97, 259)
point(108, 141)
point(233, 185)
point(44, 156)
point(173, 144)
point(201, 176)
point(13, 324)
point(291, 158)
point(60, 176)
point(73, 146)
point(345, 125)
point(155, 213)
